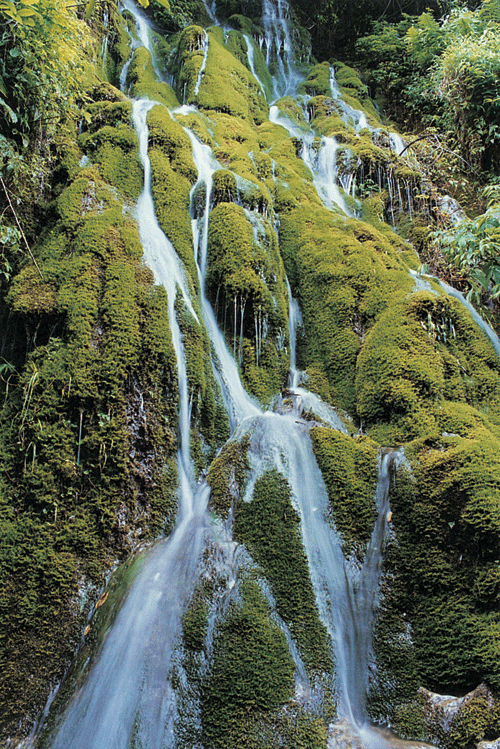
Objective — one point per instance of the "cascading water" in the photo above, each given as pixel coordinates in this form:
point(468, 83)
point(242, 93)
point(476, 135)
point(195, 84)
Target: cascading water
point(294, 322)
point(278, 44)
point(204, 47)
point(473, 313)
point(126, 695)
point(127, 698)
point(238, 403)
point(321, 161)
point(346, 594)
point(251, 63)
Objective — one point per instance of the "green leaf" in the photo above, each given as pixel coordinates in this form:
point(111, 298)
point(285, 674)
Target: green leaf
point(13, 116)
point(89, 9)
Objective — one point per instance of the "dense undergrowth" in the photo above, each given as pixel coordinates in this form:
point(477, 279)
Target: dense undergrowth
point(88, 378)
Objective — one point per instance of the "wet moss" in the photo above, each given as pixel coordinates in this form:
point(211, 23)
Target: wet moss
point(349, 468)
point(446, 515)
point(116, 149)
point(318, 81)
point(400, 356)
point(270, 529)
point(245, 284)
point(224, 189)
point(143, 82)
point(167, 135)
point(92, 412)
point(227, 86)
point(226, 476)
point(252, 671)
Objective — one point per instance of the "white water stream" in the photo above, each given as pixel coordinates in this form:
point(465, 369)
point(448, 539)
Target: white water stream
point(251, 61)
point(347, 595)
point(321, 161)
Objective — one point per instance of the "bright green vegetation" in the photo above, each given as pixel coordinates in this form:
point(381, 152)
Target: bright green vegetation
point(88, 379)
point(226, 476)
point(142, 81)
point(420, 65)
point(349, 467)
point(270, 529)
point(473, 246)
point(251, 676)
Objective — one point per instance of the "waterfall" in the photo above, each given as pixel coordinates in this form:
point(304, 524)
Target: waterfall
point(347, 595)
point(239, 405)
point(294, 322)
point(279, 47)
point(322, 162)
point(204, 45)
point(474, 314)
point(127, 697)
point(250, 57)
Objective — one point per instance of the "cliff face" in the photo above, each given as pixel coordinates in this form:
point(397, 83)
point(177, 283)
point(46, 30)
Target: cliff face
point(306, 201)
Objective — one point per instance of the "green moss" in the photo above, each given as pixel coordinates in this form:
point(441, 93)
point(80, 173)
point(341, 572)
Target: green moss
point(269, 527)
point(400, 356)
point(252, 671)
point(142, 80)
point(317, 82)
point(194, 625)
point(116, 149)
point(349, 468)
point(224, 189)
point(82, 460)
point(226, 476)
point(446, 516)
point(227, 85)
point(291, 726)
point(168, 136)
point(210, 426)
point(347, 77)
point(477, 720)
point(246, 286)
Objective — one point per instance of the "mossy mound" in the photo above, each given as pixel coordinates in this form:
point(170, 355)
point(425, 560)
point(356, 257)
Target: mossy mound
point(228, 86)
point(226, 476)
point(269, 528)
point(246, 286)
point(251, 675)
point(115, 148)
point(143, 82)
point(349, 467)
point(422, 359)
point(344, 273)
point(446, 514)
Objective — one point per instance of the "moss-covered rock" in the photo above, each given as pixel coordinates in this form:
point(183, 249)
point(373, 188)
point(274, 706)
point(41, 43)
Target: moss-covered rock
point(252, 672)
point(349, 467)
point(269, 527)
